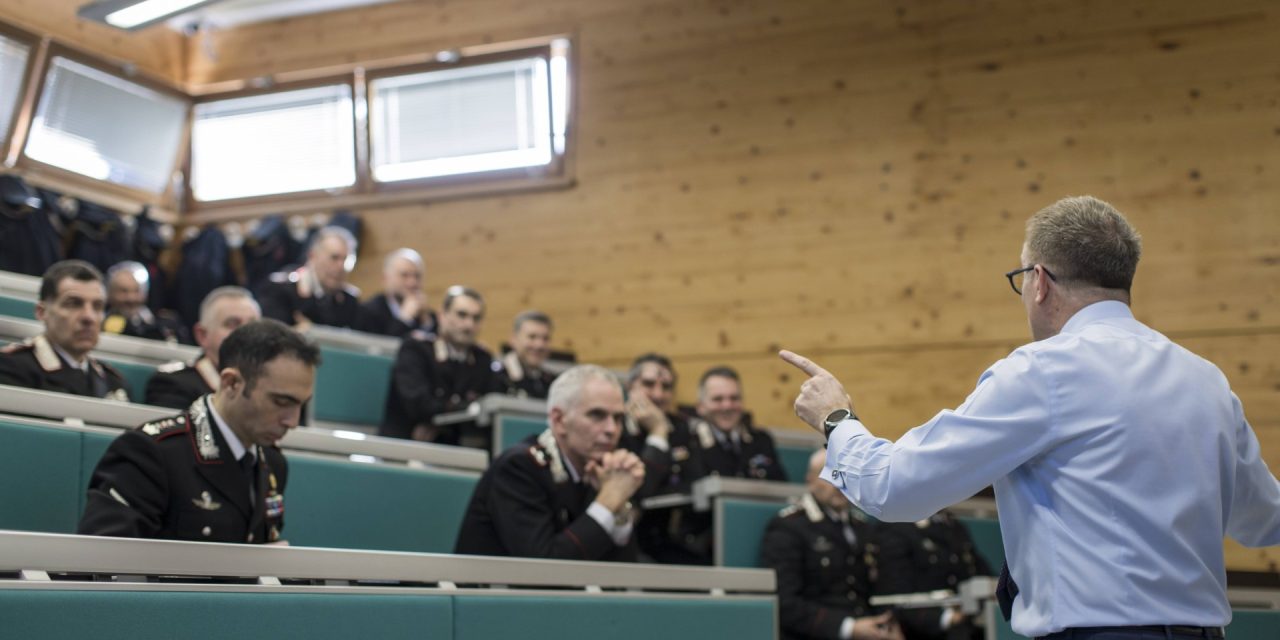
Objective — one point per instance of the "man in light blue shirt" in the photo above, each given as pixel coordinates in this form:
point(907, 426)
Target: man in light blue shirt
point(1120, 460)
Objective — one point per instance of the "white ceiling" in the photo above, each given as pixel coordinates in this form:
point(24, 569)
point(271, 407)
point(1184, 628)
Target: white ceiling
point(230, 13)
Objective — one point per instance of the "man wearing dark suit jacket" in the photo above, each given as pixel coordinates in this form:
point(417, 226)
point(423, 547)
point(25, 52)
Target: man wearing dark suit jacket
point(71, 305)
point(178, 384)
point(401, 308)
point(444, 374)
point(727, 445)
point(930, 555)
point(212, 473)
point(567, 495)
point(317, 292)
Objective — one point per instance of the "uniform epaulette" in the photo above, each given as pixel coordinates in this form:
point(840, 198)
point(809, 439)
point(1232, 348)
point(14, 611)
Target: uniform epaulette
point(15, 347)
point(281, 276)
point(171, 367)
point(351, 290)
point(789, 509)
point(165, 426)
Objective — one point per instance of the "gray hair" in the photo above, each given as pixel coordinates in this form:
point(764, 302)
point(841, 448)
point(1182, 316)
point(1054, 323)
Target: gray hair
point(532, 316)
point(404, 253)
point(230, 291)
point(566, 390)
point(1087, 241)
point(135, 269)
point(334, 231)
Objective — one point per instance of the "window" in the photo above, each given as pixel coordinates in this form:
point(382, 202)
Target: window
point(100, 125)
point(13, 69)
point(473, 119)
point(281, 142)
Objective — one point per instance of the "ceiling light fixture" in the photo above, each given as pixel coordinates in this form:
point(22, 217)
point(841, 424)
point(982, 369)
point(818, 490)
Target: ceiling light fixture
point(132, 15)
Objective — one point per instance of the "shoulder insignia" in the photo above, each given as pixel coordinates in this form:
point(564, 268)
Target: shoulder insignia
point(45, 355)
point(512, 364)
point(811, 508)
point(114, 324)
point(162, 426)
point(702, 429)
point(14, 347)
point(547, 442)
point(279, 276)
point(539, 456)
point(209, 373)
point(788, 510)
point(171, 367)
point(201, 423)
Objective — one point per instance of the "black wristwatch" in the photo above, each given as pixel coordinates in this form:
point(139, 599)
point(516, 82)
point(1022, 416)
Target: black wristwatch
point(834, 419)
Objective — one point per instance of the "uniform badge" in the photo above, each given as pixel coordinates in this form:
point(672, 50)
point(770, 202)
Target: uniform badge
point(275, 505)
point(114, 324)
point(679, 454)
point(205, 501)
point(822, 545)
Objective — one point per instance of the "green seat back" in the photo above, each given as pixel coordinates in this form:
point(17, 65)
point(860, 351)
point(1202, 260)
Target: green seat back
point(517, 428)
point(1254, 625)
point(17, 308)
point(146, 615)
point(136, 377)
point(353, 505)
point(743, 522)
point(571, 617)
point(351, 387)
point(92, 446)
point(795, 460)
point(41, 487)
point(986, 537)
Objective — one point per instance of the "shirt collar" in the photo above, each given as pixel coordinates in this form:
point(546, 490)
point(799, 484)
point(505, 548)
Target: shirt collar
point(393, 306)
point(233, 441)
point(573, 472)
point(82, 365)
point(1104, 310)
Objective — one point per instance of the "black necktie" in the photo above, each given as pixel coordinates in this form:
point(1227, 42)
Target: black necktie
point(1006, 591)
point(248, 464)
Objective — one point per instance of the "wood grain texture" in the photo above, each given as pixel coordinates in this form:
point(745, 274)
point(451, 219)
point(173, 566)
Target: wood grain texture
point(157, 51)
point(848, 179)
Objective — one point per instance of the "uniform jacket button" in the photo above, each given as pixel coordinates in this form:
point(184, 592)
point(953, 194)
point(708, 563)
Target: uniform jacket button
point(206, 532)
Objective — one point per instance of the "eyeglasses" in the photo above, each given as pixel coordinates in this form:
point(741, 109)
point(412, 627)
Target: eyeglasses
point(1023, 270)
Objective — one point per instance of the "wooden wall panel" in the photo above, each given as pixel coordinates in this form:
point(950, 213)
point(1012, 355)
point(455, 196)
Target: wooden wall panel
point(849, 179)
point(158, 51)
point(845, 178)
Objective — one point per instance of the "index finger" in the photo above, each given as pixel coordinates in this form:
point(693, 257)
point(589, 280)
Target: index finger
point(802, 363)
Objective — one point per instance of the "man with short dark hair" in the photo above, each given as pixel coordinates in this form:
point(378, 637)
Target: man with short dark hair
point(177, 384)
point(566, 494)
point(727, 444)
point(520, 371)
point(317, 292)
point(213, 473)
point(401, 308)
point(128, 283)
point(442, 374)
point(70, 306)
point(1120, 460)
point(826, 557)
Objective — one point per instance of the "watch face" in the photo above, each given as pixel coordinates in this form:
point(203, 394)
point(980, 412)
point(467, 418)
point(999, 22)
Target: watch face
point(836, 417)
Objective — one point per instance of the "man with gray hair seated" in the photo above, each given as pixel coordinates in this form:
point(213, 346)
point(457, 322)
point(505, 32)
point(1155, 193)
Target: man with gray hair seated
point(401, 308)
point(178, 384)
point(317, 292)
point(565, 494)
point(128, 284)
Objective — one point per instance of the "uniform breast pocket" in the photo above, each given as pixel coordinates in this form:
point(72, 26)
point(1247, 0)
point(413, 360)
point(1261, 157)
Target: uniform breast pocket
point(224, 524)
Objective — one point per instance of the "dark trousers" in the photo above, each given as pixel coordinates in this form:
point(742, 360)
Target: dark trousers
point(1169, 632)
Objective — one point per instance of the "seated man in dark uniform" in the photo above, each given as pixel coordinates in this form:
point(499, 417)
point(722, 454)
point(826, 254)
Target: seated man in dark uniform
point(401, 308)
point(727, 445)
point(178, 384)
point(931, 555)
point(439, 375)
point(520, 371)
point(212, 473)
point(567, 494)
point(70, 306)
point(127, 313)
point(824, 552)
point(317, 292)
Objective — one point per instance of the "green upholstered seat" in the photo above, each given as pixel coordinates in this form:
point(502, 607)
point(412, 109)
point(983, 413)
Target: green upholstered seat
point(17, 308)
point(146, 615)
point(351, 387)
point(743, 524)
point(583, 618)
point(41, 490)
point(517, 428)
point(795, 460)
point(353, 505)
point(986, 537)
